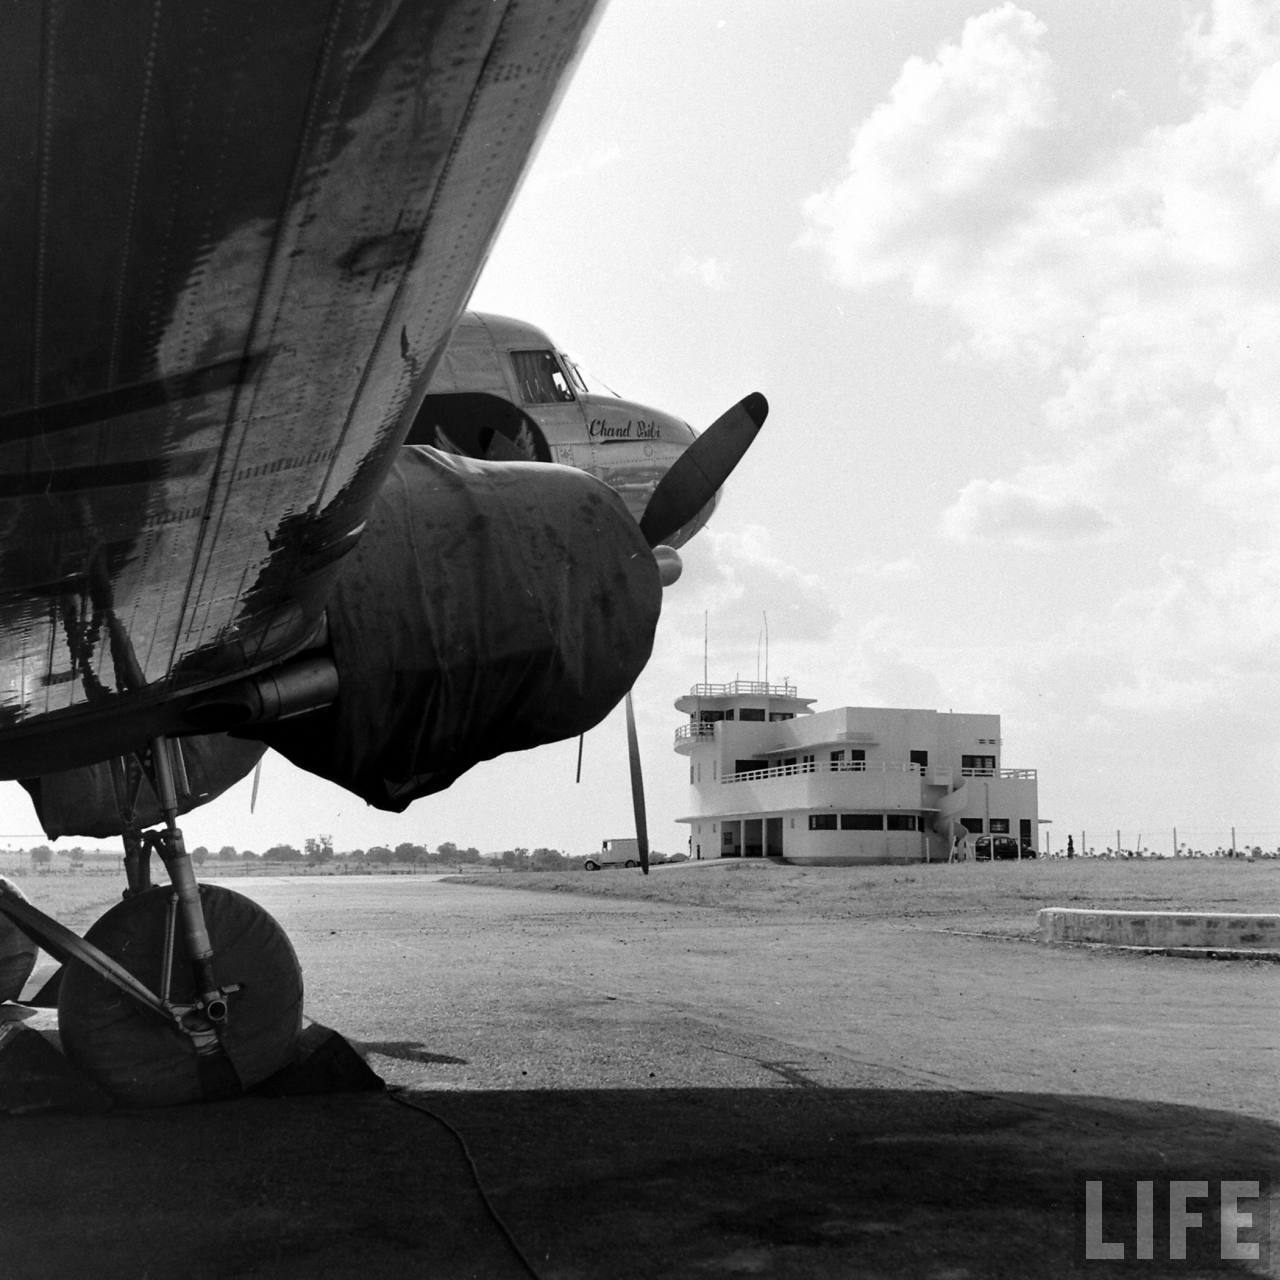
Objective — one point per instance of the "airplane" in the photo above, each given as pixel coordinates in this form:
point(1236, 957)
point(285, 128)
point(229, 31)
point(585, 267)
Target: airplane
point(238, 248)
point(503, 390)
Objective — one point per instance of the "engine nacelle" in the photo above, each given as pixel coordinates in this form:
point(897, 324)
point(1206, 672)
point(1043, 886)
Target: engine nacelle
point(488, 607)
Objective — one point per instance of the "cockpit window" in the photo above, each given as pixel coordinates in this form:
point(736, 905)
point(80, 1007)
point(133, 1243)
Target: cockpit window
point(540, 377)
point(575, 375)
point(586, 383)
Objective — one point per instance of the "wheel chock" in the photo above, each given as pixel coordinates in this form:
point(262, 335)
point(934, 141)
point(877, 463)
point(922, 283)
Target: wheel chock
point(34, 1076)
point(325, 1062)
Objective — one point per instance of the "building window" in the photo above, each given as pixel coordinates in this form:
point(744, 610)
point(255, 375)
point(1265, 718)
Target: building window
point(920, 757)
point(781, 715)
point(837, 758)
point(985, 764)
point(902, 822)
point(751, 713)
point(750, 766)
point(973, 825)
point(822, 822)
point(999, 826)
point(862, 822)
point(806, 764)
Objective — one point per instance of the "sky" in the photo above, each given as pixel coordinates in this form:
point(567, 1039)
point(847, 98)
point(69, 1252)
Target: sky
point(1006, 274)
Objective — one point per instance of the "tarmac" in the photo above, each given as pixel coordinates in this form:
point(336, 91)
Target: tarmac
point(582, 1087)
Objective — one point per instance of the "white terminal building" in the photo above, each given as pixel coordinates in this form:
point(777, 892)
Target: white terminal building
point(770, 777)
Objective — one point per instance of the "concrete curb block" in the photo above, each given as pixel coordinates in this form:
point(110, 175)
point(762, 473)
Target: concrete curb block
point(1196, 933)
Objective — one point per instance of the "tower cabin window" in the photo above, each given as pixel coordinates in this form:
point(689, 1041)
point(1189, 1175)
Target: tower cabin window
point(751, 713)
point(979, 764)
point(540, 378)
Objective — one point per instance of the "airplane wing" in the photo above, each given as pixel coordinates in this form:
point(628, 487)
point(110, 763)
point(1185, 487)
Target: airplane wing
point(234, 238)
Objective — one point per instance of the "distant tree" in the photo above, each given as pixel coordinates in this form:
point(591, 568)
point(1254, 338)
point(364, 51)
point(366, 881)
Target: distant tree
point(41, 855)
point(410, 853)
point(248, 855)
point(227, 853)
point(318, 849)
point(199, 854)
point(379, 853)
point(469, 854)
point(75, 856)
point(354, 855)
point(546, 860)
point(447, 852)
point(517, 859)
point(282, 853)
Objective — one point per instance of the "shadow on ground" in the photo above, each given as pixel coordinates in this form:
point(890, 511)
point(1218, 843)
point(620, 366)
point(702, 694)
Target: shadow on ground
point(680, 1183)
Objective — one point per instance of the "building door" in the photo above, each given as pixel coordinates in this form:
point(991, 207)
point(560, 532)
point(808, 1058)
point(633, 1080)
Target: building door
point(753, 838)
point(1024, 831)
point(773, 837)
point(731, 839)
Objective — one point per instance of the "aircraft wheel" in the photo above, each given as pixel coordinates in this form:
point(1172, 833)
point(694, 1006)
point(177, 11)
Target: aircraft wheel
point(142, 1059)
point(17, 952)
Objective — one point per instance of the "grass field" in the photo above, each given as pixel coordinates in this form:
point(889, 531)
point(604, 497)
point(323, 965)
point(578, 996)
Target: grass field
point(1002, 897)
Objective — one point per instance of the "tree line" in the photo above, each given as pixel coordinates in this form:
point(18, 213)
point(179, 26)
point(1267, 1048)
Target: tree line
point(319, 851)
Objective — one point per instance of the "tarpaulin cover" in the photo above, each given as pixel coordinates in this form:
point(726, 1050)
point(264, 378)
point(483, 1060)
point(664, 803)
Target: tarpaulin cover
point(17, 952)
point(83, 802)
point(488, 607)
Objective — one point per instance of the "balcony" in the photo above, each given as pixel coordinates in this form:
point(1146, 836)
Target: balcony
point(687, 734)
point(1012, 775)
point(743, 688)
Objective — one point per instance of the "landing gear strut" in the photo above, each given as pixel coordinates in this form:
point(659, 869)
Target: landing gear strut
point(177, 993)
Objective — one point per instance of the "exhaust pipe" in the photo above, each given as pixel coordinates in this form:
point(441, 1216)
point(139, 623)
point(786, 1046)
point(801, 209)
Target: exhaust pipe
point(304, 684)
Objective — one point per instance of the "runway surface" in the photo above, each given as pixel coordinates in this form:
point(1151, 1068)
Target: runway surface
point(675, 1091)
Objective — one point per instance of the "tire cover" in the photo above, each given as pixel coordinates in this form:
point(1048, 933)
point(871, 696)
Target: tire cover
point(141, 1059)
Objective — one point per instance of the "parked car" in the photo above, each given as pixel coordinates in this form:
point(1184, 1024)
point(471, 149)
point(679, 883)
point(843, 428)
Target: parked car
point(1006, 848)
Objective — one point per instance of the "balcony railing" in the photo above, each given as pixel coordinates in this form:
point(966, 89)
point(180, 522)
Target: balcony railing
point(823, 766)
point(739, 688)
point(862, 766)
point(694, 732)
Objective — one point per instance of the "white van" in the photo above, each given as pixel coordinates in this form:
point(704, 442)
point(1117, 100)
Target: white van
point(615, 853)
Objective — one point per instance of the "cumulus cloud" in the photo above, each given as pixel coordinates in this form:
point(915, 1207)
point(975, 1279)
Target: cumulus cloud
point(946, 158)
point(998, 511)
point(734, 576)
point(1141, 277)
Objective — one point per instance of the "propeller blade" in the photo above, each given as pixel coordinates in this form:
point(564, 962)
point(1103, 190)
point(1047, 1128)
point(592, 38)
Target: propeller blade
point(697, 474)
point(637, 787)
point(257, 777)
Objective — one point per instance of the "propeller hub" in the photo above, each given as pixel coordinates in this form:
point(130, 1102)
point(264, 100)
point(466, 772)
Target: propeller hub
point(670, 566)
